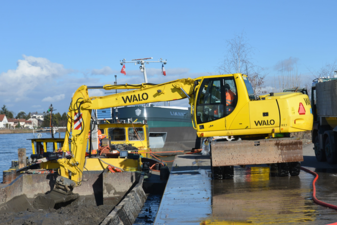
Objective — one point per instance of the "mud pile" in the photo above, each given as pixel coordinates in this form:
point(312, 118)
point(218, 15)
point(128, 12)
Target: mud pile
point(84, 210)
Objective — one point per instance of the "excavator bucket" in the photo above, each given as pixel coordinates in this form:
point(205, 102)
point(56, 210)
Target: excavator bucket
point(61, 195)
point(231, 153)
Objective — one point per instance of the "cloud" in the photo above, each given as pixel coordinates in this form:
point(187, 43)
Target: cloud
point(30, 73)
point(55, 98)
point(95, 92)
point(286, 65)
point(104, 71)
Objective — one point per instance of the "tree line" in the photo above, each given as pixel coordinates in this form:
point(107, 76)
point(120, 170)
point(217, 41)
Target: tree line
point(58, 119)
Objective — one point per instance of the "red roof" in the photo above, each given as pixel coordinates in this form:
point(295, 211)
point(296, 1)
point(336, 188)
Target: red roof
point(2, 116)
point(12, 120)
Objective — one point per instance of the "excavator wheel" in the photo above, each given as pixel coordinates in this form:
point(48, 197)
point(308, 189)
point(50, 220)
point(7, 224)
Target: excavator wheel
point(283, 170)
point(217, 173)
point(279, 170)
point(228, 172)
point(223, 172)
point(294, 168)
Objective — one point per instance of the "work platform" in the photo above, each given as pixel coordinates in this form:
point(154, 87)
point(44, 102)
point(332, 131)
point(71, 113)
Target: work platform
point(187, 197)
point(252, 196)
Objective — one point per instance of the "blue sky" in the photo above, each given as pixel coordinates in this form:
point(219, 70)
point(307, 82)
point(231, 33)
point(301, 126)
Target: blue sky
point(48, 49)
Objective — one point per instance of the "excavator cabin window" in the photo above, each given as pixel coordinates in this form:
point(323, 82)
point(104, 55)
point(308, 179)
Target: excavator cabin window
point(217, 98)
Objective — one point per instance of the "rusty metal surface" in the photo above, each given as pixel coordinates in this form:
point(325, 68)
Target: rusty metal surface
point(256, 152)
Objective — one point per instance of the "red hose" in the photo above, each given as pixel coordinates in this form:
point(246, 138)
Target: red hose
point(314, 190)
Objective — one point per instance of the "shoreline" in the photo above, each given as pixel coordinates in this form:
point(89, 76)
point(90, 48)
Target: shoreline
point(23, 131)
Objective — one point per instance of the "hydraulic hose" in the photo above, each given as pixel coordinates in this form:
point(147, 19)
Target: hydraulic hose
point(314, 190)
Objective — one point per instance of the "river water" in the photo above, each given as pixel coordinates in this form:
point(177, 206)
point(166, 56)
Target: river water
point(10, 143)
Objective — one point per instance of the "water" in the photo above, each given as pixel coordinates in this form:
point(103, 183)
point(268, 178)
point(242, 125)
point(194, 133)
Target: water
point(10, 143)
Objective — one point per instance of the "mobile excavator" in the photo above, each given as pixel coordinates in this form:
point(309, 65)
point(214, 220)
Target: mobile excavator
point(257, 121)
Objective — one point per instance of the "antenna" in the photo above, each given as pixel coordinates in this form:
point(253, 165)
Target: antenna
point(142, 64)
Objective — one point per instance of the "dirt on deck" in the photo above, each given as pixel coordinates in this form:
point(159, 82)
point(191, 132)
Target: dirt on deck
point(81, 211)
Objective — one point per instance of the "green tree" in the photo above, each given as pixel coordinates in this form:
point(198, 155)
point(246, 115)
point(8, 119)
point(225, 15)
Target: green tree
point(46, 121)
point(4, 110)
point(21, 115)
point(28, 116)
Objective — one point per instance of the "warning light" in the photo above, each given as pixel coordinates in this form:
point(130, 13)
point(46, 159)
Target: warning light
point(301, 109)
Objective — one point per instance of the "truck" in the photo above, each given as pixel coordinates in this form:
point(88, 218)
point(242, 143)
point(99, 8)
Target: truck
point(324, 107)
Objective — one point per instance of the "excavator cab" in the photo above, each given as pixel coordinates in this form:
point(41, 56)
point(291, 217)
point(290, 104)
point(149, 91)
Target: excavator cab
point(226, 105)
point(219, 98)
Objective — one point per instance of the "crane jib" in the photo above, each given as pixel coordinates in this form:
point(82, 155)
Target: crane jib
point(135, 98)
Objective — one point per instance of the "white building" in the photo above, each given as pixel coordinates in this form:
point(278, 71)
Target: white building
point(3, 121)
point(35, 122)
point(29, 124)
point(37, 116)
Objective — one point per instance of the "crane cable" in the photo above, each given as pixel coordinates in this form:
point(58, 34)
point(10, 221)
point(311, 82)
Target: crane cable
point(314, 190)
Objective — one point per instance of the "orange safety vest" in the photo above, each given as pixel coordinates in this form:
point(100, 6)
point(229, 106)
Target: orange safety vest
point(229, 97)
point(100, 135)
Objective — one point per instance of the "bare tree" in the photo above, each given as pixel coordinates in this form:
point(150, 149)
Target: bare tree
point(288, 76)
point(238, 56)
point(327, 70)
point(238, 60)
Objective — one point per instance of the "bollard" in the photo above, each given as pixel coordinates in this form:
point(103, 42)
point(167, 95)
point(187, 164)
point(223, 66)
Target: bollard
point(6, 177)
point(12, 174)
point(22, 157)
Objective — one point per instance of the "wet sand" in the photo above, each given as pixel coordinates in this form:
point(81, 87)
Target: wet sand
point(81, 211)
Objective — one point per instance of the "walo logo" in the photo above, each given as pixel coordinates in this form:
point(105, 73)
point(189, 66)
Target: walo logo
point(135, 98)
point(264, 122)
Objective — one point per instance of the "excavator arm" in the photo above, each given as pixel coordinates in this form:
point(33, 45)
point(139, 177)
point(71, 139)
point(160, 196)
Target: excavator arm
point(79, 115)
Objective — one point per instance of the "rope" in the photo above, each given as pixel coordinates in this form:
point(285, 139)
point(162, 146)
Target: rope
point(314, 190)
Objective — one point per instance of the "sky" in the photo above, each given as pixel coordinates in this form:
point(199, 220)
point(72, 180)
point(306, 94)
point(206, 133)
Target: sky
point(48, 49)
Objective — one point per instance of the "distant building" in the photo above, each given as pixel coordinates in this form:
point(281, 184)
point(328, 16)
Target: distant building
point(38, 116)
point(3, 121)
point(35, 122)
point(12, 123)
point(28, 124)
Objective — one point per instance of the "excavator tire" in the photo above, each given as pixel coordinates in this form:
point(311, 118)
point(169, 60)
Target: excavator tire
point(228, 172)
point(282, 169)
point(294, 168)
point(217, 173)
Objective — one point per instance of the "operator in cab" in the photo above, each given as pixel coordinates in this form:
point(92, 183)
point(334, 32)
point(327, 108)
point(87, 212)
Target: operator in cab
point(230, 97)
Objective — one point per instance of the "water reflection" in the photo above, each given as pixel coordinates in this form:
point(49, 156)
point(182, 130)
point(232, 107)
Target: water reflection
point(254, 197)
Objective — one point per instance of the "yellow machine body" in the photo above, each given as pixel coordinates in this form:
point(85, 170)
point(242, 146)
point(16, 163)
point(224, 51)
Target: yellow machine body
point(267, 115)
point(246, 115)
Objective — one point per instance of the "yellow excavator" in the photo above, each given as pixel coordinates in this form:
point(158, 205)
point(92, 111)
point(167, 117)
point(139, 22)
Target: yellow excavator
point(257, 121)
